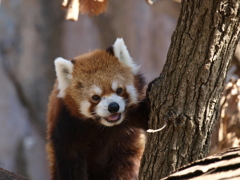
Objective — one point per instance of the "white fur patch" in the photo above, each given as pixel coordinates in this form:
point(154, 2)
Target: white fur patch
point(121, 52)
point(102, 107)
point(114, 85)
point(64, 70)
point(133, 94)
point(96, 90)
point(84, 108)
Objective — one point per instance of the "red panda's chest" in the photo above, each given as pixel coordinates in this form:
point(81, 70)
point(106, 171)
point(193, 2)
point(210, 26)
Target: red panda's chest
point(110, 145)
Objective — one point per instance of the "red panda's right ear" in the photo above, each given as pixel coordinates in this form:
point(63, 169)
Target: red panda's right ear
point(119, 49)
point(64, 70)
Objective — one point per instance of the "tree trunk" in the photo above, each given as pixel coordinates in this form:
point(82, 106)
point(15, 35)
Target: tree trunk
point(186, 94)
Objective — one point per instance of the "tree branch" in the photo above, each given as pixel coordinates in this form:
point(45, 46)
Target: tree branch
point(6, 175)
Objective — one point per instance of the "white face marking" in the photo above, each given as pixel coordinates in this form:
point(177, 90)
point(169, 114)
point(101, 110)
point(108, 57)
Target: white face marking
point(114, 85)
point(96, 90)
point(132, 93)
point(102, 108)
point(84, 108)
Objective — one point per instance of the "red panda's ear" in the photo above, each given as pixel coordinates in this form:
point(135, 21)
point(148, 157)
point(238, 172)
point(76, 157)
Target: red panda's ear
point(64, 70)
point(120, 51)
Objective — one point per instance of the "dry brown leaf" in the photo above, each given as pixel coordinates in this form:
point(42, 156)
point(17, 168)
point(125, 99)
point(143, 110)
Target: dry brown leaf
point(64, 3)
point(93, 7)
point(90, 7)
point(73, 10)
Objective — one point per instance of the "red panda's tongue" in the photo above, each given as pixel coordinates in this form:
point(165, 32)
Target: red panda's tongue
point(114, 117)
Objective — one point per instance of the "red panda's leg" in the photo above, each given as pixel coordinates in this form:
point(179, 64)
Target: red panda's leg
point(139, 116)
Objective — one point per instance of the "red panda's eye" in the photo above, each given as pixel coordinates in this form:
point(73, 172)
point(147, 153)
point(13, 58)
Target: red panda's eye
point(96, 98)
point(119, 91)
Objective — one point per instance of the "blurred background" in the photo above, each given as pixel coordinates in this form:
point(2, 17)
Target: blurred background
point(34, 32)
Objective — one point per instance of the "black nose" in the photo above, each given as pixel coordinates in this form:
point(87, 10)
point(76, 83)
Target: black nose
point(113, 107)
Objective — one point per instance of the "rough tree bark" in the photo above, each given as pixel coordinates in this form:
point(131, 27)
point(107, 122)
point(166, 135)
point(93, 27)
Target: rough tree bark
point(187, 92)
point(7, 175)
point(224, 165)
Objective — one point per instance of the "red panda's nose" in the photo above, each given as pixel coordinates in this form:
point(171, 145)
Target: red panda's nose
point(113, 107)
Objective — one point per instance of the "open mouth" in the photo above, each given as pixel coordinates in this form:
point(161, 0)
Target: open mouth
point(113, 117)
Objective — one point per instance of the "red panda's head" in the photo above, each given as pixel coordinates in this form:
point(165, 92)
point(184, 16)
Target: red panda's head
point(99, 85)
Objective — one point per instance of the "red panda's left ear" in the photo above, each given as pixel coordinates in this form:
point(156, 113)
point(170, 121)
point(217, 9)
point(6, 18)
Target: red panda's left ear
point(64, 70)
point(119, 50)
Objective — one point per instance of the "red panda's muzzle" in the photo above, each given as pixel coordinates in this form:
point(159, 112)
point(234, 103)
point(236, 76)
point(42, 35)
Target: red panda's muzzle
point(113, 117)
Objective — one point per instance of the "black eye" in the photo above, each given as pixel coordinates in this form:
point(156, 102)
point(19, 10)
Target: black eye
point(119, 91)
point(96, 98)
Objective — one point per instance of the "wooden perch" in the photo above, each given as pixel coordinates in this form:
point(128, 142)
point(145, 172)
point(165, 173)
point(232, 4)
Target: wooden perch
point(90, 7)
point(224, 165)
point(6, 175)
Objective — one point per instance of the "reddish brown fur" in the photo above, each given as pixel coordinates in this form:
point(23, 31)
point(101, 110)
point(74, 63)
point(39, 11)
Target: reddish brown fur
point(91, 69)
point(81, 148)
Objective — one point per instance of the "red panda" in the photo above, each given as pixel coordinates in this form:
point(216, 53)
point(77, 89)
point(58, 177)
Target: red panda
point(97, 115)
